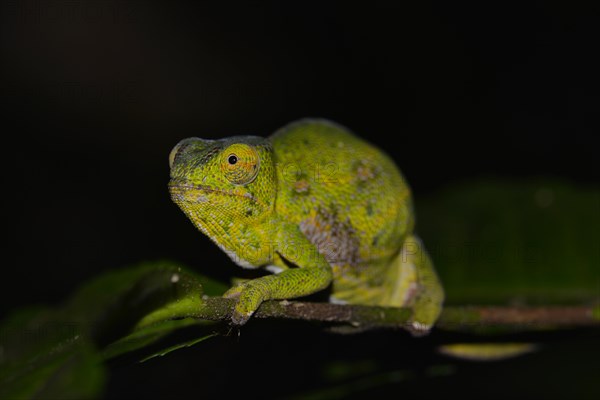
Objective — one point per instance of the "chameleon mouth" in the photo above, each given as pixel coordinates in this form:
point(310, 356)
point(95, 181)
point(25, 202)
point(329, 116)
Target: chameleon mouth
point(180, 192)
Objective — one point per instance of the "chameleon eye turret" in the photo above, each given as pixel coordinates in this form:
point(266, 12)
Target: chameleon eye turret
point(344, 195)
point(240, 163)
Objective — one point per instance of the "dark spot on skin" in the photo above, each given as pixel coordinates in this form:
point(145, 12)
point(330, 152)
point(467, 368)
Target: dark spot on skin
point(335, 240)
point(375, 241)
point(365, 172)
point(301, 186)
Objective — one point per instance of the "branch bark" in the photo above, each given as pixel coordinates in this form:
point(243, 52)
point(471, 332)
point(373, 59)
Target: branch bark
point(463, 319)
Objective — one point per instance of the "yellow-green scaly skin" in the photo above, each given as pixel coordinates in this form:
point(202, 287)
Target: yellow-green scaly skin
point(318, 206)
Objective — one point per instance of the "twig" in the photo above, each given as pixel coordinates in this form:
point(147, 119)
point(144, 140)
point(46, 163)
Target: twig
point(452, 318)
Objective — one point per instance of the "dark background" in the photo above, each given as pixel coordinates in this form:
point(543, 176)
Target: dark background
point(95, 94)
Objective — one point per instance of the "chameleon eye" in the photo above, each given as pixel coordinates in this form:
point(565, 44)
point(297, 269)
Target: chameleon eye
point(240, 163)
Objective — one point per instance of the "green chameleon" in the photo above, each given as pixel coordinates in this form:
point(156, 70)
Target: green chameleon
point(317, 206)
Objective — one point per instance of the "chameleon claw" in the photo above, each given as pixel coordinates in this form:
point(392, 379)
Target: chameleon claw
point(239, 319)
point(418, 329)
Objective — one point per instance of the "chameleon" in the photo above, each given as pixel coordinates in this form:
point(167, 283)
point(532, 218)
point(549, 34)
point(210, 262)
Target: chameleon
point(315, 205)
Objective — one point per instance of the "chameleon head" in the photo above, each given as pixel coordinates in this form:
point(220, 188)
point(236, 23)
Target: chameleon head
point(221, 182)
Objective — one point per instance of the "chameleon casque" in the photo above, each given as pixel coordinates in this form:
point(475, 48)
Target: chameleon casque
point(317, 206)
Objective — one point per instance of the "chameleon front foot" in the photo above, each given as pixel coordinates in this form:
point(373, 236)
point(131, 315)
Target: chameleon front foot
point(249, 297)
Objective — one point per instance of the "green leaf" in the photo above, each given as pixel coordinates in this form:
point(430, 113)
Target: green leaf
point(51, 353)
point(143, 337)
point(532, 242)
point(44, 354)
point(147, 303)
point(120, 302)
point(188, 343)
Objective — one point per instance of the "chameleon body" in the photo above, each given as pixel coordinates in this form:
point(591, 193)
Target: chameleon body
point(317, 206)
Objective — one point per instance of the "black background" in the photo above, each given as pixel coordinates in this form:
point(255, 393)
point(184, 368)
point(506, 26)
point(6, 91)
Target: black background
point(95, 94)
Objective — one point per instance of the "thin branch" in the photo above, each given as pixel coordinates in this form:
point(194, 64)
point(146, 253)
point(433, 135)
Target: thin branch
point(465, 319)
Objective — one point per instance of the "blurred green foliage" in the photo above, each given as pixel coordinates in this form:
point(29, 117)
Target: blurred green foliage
point(58, 353)
point(514, 242)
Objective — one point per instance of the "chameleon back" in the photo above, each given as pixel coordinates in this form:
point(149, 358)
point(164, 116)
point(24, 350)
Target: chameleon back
point(346, 196)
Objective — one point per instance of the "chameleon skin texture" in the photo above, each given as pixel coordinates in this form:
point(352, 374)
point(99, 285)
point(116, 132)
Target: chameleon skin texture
point(317, 205)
